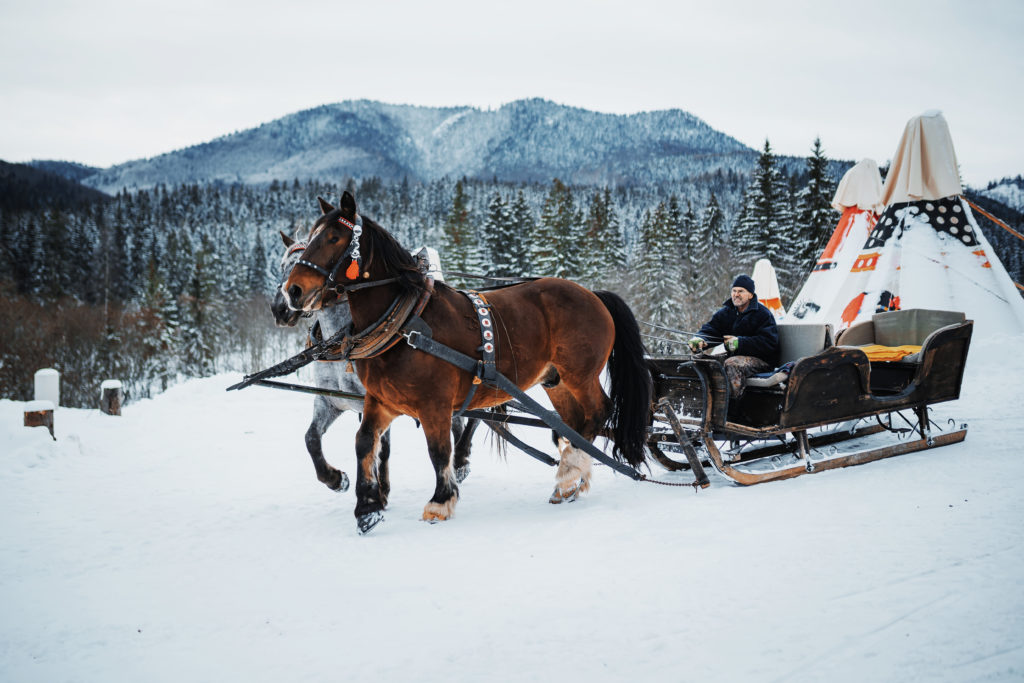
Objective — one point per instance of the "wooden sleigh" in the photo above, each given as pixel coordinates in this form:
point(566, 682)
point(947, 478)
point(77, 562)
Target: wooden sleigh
point(795, 423)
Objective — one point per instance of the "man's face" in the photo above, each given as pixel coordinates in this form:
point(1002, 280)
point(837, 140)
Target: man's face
point(741, 297)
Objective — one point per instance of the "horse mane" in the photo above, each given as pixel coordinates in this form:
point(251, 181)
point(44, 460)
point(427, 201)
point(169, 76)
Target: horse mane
point(377, 244)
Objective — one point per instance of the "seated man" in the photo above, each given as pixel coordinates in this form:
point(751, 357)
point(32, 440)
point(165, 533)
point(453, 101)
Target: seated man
point(748, 330)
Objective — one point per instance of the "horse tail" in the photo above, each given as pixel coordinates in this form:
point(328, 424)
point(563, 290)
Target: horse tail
point(631, 384)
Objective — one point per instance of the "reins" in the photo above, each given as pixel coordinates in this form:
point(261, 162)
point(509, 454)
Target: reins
point(402, 320)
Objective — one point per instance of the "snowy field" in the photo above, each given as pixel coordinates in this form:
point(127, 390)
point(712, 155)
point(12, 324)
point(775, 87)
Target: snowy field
point(189, 540)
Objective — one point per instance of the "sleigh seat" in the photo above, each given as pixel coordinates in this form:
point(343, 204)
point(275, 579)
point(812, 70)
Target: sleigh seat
point(912, 330)
point(796, 341)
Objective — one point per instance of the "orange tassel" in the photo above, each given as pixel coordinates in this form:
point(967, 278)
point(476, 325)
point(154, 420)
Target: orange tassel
point(352, 272)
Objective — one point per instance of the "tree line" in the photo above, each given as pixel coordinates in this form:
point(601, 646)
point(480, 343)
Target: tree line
point(160, 284)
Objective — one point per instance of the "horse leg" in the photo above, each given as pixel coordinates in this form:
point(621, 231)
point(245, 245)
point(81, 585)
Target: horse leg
point(585, 418)
point(462, 431)
point(369, 499)
point(384, 467)
point(324, 415)
point(441, 506)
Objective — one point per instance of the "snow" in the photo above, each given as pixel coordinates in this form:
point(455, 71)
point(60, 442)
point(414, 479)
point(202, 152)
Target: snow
point(189, 540)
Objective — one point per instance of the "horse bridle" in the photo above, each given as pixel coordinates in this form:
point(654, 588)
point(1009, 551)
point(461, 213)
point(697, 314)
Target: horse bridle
point(352, 252)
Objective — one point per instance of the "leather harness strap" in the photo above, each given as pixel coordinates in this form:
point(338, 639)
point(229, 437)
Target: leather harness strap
point(486, 369)
point(387, 331)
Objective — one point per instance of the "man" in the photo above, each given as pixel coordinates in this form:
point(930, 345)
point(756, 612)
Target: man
point(748, 330)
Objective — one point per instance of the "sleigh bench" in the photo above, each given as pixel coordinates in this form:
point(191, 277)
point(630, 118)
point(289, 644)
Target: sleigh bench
point(914, 330)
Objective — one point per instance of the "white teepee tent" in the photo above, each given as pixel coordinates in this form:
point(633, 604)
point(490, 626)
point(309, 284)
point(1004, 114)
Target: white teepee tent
point(835, 280)
point(767, 285)
point(925, 251)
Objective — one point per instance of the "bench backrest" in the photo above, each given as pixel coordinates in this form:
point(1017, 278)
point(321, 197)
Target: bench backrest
point(797, 340)
point(911, 326)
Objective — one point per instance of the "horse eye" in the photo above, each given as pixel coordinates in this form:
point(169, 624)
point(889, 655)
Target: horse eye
point(334, 240)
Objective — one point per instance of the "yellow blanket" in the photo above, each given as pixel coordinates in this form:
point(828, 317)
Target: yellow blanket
point(879, 352)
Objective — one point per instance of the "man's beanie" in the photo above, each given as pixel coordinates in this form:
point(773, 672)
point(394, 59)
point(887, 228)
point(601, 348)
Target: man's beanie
point(744, 281)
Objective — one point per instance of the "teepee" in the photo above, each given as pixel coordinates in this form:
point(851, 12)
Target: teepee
point(924, 251)
point(836, 280)
point(767, 285)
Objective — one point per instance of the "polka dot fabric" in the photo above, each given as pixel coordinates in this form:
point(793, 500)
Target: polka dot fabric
point(943, 215)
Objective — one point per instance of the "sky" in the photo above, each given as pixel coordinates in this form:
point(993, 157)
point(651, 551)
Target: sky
point(108, 81)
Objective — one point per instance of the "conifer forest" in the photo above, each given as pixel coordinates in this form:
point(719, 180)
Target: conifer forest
point(160, 284)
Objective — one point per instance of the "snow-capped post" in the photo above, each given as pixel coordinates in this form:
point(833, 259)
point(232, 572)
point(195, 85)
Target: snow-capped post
point(40, 414)
point(111, 397)
point(47, 386)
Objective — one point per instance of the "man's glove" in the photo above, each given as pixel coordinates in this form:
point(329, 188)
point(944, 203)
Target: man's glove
point(696, 344)
point(732, 344)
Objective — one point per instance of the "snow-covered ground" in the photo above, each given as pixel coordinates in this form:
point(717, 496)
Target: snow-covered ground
point(188, 540)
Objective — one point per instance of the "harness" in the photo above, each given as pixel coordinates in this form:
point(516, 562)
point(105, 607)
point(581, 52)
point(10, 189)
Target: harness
point(387, 331)
point(352, 252)
point(486, 369)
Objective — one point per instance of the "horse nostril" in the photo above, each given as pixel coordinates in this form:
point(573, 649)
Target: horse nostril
point(294, 293)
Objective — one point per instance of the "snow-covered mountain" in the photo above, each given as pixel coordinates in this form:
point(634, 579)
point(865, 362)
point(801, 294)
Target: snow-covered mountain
point(1009, 191)
point(521, 141)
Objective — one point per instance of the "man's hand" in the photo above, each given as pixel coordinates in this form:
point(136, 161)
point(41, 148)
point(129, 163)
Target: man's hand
point(696, 344)
point(731, 343)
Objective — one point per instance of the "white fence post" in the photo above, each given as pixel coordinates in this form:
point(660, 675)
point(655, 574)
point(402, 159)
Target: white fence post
point(48, 386)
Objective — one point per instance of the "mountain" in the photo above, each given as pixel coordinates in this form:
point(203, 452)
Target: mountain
point(65, 169)
point(1009, 191)
point(526, 140)
point(25, 188)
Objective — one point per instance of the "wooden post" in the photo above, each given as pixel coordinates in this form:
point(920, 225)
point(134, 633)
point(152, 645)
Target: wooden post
point(111, 397)
point(40, 414)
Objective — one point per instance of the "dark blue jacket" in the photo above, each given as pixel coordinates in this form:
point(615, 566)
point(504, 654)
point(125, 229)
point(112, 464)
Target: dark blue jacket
point(755, 329)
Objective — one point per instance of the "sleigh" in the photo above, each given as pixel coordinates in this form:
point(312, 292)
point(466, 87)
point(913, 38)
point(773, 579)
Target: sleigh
point(802, 421)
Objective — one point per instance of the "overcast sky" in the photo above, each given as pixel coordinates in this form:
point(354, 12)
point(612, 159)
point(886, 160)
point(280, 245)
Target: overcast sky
point(106, 81)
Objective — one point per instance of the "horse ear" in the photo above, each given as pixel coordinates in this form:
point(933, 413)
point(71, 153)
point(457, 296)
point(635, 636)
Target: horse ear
point(348, 204)
point(288, 241)
point(325, 207)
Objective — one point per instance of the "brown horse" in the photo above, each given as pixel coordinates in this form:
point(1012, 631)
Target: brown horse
point(548, 331)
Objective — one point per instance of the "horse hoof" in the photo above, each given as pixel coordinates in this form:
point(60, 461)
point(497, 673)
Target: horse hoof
point(568, 495)
point(340, 485)
point(368, 521)
point(439, 512)
point(461, 473)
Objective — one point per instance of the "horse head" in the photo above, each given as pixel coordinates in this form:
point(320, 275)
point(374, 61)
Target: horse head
point(346, 250)
point(284, 316)
point(331, 258)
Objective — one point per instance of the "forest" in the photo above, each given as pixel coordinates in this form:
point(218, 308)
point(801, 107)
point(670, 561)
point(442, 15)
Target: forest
point(157, 285)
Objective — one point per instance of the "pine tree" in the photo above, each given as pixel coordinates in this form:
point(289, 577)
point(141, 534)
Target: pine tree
point(460, 251)
point(202, 318)
point(660, 269)
point(708, 252)
point(259, 280)
point(765, 222)
point(815, 216)
point(556, 244)
point(604, 250)
point(523, 226)
point(498, 238)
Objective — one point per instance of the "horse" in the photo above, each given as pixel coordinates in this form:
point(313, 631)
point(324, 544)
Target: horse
point(547, 331)
point(333, 376)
